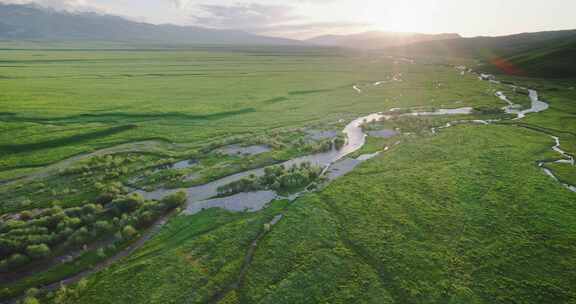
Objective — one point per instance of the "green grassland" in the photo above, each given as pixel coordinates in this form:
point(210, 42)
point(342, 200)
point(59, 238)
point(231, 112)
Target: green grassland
point(462, 216)
point(179, 103)
point(56, 104)
point(558, 120)
point(190, 259)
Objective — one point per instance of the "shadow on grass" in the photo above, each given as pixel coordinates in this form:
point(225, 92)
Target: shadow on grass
point(53, 143)
point(121, 117)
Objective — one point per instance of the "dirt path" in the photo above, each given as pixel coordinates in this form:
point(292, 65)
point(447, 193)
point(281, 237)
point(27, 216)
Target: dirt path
point(247, 261)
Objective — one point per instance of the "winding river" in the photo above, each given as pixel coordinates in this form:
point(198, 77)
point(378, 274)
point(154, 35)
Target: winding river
point(203, 196)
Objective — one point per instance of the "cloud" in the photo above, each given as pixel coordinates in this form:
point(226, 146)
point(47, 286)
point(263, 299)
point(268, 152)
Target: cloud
point(268, 17)
point(247, 16)
point(313, 29)
point(67, 5)
point(180, 3)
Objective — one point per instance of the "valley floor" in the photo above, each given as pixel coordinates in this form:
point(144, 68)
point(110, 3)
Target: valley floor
point(460, 215)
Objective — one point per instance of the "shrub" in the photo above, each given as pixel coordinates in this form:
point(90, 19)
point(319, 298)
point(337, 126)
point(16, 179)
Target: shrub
point(128, 203)
point(69, 222)
point(102, 227)
point(73, 212)
point(38, 251)
point(31, 300)
point(31, 296)
point(7, 247)
point(16, 260)
point(277, 178)
point(32, 292)
point(101, 253)
point(145, 218)
point(105, 198)
point(174, 200)
point(53, 220)
point(90, 209)
point(129, 232)
point(80, 236)
point(26, 215)
point(340, 141)
point(13, 224)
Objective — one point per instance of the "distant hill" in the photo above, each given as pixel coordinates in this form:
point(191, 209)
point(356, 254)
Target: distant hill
point(550, 60)
point(28, 22)
point(547, 54)
point(377, 39)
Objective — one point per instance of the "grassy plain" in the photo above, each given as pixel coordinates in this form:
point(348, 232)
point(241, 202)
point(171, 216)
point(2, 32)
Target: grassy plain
point(58, 103)
point(465, 216)
point(63, 102)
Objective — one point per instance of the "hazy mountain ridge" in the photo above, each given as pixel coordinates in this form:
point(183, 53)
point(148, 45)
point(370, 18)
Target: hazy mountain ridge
point(502, 45)
point(20, 22)
point(378, 40)
point(547, 54)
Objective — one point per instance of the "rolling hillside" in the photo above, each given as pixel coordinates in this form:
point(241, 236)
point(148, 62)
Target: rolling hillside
point(557, 60)
point(543, 54)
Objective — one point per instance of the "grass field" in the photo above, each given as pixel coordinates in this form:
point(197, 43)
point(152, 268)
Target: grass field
point(430, 227)
point(59, 103)
point(463, 216)
point(418, 224)
point(56, 103)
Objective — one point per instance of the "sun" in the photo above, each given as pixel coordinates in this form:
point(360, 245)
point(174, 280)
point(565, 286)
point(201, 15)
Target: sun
point(401, 16)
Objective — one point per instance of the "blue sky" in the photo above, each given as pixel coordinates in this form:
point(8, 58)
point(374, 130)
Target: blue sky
point(306, 18)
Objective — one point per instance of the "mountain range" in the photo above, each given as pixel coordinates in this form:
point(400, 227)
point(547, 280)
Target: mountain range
point(29, 22)
point(377, 39)
point(549, 54)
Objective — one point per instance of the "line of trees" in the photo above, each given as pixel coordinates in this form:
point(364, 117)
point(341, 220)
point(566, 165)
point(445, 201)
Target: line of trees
point(276, 178)
point(323, 145)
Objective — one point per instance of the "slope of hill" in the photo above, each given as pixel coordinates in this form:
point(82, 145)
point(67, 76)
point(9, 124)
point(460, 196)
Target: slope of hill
point(553, 61)
point(19, 22)
point(377, 40)
point(546, 54)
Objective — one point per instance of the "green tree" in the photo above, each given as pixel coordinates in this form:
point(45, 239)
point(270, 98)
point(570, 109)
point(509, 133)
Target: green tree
point(129, 232)
point(38, 251)
point(128, 203)
point(17, 260)
point(174, 200)
point(91, 209)
point(80, 236)
point(102, 227)
point(26, 215)
point(31, 300)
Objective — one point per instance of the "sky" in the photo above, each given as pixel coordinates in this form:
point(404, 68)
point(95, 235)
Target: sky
point(307, 18)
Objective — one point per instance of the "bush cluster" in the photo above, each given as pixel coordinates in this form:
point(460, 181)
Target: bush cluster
point(35, 237)
point(276, 178)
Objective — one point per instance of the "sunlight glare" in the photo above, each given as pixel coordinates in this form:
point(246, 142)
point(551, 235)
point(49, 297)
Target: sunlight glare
point(401, 16)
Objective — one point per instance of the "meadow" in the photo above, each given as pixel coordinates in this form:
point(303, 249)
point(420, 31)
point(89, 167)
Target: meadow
point(60, 103)
point(462, 216)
